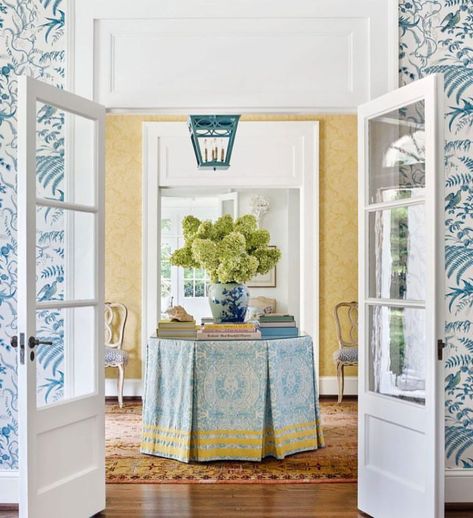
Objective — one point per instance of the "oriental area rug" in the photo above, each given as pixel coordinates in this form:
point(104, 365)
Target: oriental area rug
point(337, 462)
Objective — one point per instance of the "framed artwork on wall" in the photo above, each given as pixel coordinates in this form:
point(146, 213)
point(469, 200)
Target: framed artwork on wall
point(268, 280)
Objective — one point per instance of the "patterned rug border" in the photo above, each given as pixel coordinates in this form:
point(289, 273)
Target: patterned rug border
point(254, 481)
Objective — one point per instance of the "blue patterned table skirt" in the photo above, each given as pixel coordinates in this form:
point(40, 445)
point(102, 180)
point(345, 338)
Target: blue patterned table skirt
point(230, 400)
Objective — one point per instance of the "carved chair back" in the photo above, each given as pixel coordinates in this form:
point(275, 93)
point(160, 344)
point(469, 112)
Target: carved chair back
point(115, 318)
point(346, 323)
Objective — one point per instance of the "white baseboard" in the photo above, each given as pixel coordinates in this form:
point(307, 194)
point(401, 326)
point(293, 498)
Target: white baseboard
point(328, 386)
point(458, 486)
point(9, 487)
point(131, 388)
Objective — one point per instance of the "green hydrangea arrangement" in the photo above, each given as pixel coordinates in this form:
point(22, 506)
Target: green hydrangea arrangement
point(230, 251)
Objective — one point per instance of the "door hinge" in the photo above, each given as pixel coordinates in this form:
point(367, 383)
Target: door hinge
point(440, 348)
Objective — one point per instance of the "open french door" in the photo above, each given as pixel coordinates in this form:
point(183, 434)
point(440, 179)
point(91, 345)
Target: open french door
point(401, 303)
point(60, 303)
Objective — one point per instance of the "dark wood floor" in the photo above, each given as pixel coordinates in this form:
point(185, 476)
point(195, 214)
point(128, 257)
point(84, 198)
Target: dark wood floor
point(334, 500)
point(234, 500)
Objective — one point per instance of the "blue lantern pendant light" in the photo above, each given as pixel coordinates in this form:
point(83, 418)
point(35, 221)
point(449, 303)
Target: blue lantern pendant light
point(212, 137)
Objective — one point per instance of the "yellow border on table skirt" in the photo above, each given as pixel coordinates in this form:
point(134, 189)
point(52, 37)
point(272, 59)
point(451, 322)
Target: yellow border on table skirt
point(230, 451)
point(166, 441)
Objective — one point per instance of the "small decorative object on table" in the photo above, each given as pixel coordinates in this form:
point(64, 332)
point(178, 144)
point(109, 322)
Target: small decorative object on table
point(232, 253)
point(260, 306)
point(179, 314)
point(180, 324)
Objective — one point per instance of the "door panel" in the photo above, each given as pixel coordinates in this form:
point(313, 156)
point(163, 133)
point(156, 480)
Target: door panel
point(60, 303)
point(401, 291)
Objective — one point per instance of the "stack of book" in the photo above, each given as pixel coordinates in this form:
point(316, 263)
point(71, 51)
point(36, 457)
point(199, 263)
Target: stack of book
point(274, 325)
point(229, 331)
point(175, 329)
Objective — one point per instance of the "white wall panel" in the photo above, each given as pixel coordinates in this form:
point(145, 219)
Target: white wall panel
point(264, 154)
point(307, 55)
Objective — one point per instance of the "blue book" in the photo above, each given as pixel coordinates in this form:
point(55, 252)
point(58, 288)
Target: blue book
point(270, 332)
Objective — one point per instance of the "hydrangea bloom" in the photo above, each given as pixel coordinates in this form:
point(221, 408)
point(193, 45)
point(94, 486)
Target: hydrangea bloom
point(230, 251)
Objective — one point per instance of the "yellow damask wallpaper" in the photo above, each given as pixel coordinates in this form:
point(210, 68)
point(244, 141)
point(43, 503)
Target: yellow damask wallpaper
point(338, 222)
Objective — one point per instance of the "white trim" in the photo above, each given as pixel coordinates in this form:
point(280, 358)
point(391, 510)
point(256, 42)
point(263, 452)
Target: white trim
point(133, 387)
point(9, 487)
point(459, 485)
point(300, 110)
point(328, 386)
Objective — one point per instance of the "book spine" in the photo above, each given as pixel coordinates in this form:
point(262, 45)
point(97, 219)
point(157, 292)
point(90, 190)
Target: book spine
point(277, 324)
point(227, 336)
point(230, 327)
point(229, 331)
point(277, 319)
point(280, 331)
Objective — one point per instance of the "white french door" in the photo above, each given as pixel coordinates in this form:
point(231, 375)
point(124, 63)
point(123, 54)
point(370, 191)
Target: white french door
point(401, 303)
point(60, 303)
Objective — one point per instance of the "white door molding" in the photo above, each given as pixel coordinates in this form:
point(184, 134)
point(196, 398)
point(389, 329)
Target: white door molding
point(303, 56)
point(168, 161)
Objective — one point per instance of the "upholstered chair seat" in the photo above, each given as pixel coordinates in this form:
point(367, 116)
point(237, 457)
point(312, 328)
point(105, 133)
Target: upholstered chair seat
point(346, 355)
point(115, 357)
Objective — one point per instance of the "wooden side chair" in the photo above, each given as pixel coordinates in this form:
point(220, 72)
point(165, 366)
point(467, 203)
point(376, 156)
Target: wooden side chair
point(346, 323)
point(116, 315)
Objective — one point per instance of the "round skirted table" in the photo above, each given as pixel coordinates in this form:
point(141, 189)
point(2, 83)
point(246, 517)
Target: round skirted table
point(230, 400)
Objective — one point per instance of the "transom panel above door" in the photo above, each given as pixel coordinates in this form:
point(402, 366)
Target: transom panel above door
point(246, 56)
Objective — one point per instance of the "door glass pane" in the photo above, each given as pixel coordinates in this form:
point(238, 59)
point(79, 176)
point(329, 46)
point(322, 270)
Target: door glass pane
point(397, 154)
point(397, 253)
point(397, 352)
point(67, 368)
point(65, 254)
point(61, 173)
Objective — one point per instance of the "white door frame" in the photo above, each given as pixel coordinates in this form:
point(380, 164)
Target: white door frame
point(307, 183)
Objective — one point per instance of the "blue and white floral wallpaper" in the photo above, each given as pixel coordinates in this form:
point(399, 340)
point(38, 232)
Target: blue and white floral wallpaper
point(435, 36)
point(30, 43)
